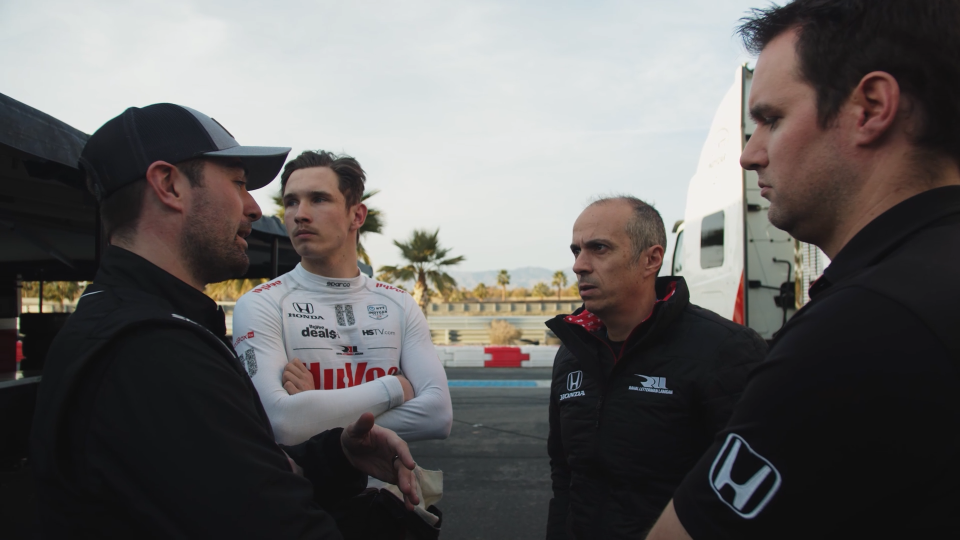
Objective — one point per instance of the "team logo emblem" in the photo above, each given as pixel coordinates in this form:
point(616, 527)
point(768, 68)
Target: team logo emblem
point(655, 385)
point(377, 311)
point(743, 479)
point(349, 350)
point(345, 315)
point(574, 380)
point(302, 307)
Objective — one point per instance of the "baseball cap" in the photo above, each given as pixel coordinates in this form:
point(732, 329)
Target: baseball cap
point(121, 151)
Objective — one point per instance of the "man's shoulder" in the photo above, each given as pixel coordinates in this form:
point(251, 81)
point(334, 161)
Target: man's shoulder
point(711, 328)
point(270, 292)
point(390, 293)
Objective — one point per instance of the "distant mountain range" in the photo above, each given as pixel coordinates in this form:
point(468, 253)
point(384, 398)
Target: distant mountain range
point(525, 277)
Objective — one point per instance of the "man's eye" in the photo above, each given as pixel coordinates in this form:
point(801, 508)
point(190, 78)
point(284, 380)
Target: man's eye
point(288, 203)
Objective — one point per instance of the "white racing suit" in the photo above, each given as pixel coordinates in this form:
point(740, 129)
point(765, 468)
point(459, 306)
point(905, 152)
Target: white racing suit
point(353, 335)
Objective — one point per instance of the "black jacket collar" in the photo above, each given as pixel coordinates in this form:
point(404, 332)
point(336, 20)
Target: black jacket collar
point(887, 232)
point(122, 268)
point(576, 335)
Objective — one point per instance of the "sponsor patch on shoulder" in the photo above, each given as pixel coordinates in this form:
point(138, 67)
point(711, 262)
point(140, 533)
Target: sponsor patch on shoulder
point(250, 362)
point(266, 286)
point(743, 479)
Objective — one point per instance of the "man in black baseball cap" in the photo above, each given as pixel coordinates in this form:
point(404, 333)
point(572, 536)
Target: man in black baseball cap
point(146, 423)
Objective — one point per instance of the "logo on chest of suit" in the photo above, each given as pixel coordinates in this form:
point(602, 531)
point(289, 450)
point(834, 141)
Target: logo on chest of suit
point(319, 332)
point(655, 385)
point(304, 310)
point(345, 315)
point(574, 382)
point(349, 350)
point(377, 311)
point(378, 332)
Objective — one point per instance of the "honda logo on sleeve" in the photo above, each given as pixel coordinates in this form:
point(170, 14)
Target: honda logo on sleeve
point(574, 380)
point(742, 478)
point(303, 307)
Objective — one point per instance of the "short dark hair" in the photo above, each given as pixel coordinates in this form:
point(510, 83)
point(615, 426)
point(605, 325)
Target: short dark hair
point(840, 41)
point(120, 212)
point(348, 171)
point(645, 229)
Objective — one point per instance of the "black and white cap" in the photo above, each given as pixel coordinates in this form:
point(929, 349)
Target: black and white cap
point(121, 151)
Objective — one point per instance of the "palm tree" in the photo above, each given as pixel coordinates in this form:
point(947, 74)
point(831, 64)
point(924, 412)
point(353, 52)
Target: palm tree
point(427, 261)
point(231, 289)
point(373, 224)
point(559, 281)
point(481, 291)
point(503, 279)
point(541, 289)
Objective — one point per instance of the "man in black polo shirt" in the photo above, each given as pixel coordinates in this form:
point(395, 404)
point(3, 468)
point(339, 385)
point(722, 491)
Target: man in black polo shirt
point(642, 383)
point(146, 424)
point(850, 427)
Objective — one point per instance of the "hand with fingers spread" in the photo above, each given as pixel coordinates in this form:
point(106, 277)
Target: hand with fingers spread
point(381, 453)
point(297, 378)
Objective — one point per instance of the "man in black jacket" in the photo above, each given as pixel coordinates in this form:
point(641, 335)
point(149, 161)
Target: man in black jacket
point(146, 424)
point(642, 382)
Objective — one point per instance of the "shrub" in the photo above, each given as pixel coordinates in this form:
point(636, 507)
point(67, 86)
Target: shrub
point(503, 333)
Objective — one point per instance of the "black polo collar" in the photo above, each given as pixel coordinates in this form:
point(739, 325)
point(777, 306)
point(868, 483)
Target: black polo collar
point(887, 232)
point(122, 268)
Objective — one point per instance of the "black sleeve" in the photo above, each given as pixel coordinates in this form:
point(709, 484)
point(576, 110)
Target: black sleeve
point(833, 433)
point(177, 443)
point(559, 474)
point(723, 385)
point(324, 464)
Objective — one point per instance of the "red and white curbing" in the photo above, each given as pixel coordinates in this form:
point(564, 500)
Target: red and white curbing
point(497, 356)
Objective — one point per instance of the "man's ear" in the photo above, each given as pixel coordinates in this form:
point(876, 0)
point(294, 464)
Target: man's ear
point(652, 260)
point(358, 216)
point(876, 103)
point(167, 185)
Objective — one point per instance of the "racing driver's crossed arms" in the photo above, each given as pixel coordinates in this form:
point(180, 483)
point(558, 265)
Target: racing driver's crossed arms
point(325, 343)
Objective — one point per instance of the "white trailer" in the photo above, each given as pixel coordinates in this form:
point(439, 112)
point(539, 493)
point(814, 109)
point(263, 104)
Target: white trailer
point(733, 259)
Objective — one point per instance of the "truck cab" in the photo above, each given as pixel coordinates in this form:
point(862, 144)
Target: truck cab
point(735, 262)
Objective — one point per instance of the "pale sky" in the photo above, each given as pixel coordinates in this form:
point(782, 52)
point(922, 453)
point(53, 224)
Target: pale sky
point(494, 121)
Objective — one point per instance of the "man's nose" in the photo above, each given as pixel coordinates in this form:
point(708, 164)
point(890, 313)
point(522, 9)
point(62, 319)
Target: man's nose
point(754, 155)
point(300, 217)
point(250, 207)
point(581, 265)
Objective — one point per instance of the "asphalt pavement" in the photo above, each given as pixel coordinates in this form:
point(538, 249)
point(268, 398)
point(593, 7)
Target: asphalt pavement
point(495, 465)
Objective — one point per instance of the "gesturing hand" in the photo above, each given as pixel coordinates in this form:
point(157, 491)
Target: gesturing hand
point(296, 377)
point(381, 453)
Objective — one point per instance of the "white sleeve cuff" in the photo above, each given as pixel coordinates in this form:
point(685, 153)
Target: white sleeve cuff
point(394, 390)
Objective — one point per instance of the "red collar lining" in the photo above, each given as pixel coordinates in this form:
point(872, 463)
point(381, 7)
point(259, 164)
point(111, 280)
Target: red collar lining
point(592, 323)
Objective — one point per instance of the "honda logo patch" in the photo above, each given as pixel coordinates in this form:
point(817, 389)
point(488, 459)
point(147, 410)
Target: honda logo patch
point(574, 380)
point(303, 307)
point(742, 478)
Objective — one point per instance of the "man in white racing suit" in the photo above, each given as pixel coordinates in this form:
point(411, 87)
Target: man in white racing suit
point(362, 345)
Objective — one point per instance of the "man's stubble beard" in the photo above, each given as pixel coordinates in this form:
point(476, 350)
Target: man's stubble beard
point(210, 247)
point(813, 214)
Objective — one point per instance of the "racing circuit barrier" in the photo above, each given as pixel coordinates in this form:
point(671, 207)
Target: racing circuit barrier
point(497, 356)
